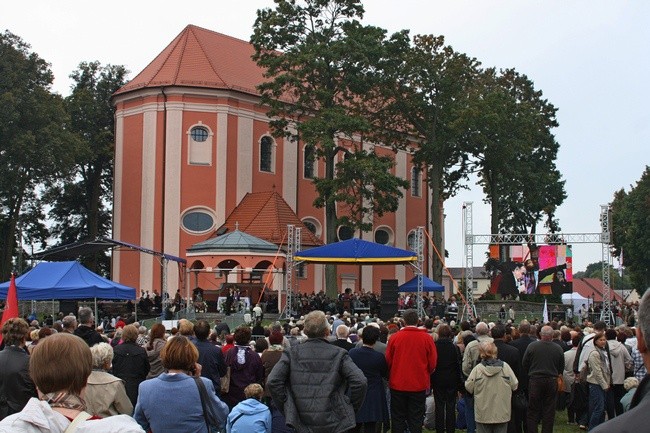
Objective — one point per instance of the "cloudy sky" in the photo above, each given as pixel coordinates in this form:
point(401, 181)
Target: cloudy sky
point(589, 57)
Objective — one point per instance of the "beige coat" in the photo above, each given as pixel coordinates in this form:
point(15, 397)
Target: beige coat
point(106, 395)
point(598, 371)
point(492, 386)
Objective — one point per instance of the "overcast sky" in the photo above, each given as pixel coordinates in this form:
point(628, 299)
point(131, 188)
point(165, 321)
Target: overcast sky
point(591, 59)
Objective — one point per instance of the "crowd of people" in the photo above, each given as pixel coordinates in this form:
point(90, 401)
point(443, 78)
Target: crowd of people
point(325, 371)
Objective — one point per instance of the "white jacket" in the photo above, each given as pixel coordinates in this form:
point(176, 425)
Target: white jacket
point(38, 417)
point(620, 358)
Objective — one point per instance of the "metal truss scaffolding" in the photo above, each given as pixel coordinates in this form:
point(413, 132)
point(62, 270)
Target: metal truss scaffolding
point(604, 238)
point(419, 249)
point(293, 245)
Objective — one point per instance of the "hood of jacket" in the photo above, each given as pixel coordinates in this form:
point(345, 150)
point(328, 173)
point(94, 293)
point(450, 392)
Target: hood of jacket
point(251, 406)
point(616, 348)
point(491, 366)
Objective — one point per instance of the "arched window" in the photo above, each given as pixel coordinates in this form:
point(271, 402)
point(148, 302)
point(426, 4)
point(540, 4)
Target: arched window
point(313, 225)
point(410, 240)
point(416, 182)
point(267, 154)
point(199, 145)
point(309, 162)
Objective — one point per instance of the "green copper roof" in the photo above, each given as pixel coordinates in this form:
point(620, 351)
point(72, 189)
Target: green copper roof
point(234, 241)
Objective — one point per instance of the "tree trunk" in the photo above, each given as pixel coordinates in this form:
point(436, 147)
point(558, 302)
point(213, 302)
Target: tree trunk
point(94, 198)
point(436, 183)
point(331, 283)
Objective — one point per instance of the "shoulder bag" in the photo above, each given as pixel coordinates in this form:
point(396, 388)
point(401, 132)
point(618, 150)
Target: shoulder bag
point(208, 415)
point(72, 427)
point(225, 381)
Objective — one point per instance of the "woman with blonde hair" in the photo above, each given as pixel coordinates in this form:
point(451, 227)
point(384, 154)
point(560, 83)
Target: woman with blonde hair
point(172, 402)
point(492, 382)
point(105, 393)
point(60, 366)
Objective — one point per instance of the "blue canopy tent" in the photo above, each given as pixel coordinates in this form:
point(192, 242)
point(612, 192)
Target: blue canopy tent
point(66, 280)
point(428, 285)
point(356, 251)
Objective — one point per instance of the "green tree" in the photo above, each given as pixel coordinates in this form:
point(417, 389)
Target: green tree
point(319, 61)
point(427, 91)
point(81, 203)
point(631, 231)
point(35, 145)
point(515, 152)
point(595, 270)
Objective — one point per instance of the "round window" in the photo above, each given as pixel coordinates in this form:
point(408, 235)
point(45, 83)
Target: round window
point(310, 225)
point(345, 233)
point(199, 133)
point(382, 236)
point(198, 221)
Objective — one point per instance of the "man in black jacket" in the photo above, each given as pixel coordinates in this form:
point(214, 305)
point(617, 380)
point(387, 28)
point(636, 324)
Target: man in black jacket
point(543, 362)
point(16, 386)
point(446, 380)
point(522, 344)
point(85, 329)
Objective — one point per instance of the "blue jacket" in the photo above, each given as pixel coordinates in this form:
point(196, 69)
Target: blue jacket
point(249, 416)
point(171, 403)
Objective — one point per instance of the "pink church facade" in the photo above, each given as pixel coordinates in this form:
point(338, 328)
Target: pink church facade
point(192, 141)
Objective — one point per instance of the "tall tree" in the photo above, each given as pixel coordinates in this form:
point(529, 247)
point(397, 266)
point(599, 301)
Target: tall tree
point(35, 144)
point(427, 90)
point(81, 203)
point(515, 152)
point(631, 231)
point(318, 59)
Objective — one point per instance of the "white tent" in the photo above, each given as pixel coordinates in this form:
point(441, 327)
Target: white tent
point(576, 300)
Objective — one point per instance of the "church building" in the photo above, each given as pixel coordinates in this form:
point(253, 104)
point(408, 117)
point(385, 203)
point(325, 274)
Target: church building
point(195, 160)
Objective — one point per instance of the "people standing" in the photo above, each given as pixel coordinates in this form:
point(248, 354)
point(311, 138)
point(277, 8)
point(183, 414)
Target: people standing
point(245, 367)
point(210, 356)
point(637, 418)
point(374, 409)
point(543, 362)
point(620, 362)
point(105, 394)
point(470, 359)
point(599, 380)
point(492, 382)
point(520, 415)
point(16, 386)
point(446, 380)
point(86, 329)
point(130, 362)
point(322, 371)
point(411, 356)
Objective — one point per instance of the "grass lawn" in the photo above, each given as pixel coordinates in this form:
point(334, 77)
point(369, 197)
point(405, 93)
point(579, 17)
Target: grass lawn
point(560, 425)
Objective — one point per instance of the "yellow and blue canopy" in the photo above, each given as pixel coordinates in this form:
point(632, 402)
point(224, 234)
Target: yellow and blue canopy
point(356, 251)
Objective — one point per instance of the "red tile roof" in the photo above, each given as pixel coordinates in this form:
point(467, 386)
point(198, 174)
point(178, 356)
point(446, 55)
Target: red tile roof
point(587, 287)
point(198, 57)
point(266, 215)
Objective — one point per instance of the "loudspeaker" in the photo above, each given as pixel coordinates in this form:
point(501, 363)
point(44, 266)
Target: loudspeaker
point(389, 296)
point(67, 306)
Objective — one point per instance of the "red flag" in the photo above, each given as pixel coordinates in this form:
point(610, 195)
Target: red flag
point(11, 305)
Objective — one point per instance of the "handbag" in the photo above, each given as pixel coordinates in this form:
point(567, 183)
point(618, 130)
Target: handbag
point(560, 384)
point(81, 417)
point(211, 420)
point(519, 400)
point(225, 382)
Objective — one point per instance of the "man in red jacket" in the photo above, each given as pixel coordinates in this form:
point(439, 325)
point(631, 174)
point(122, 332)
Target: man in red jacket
point(411, 356)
